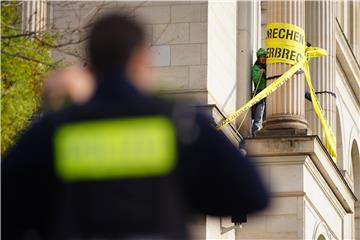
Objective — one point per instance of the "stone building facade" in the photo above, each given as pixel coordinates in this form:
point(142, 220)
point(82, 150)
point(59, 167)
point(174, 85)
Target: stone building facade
point(204, 51)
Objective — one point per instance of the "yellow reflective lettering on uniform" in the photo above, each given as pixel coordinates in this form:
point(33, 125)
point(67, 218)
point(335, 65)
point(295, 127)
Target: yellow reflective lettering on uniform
point(111, 149)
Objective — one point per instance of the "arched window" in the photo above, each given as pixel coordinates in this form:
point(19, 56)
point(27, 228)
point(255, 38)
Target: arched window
point(321, 237)
point(321, 232)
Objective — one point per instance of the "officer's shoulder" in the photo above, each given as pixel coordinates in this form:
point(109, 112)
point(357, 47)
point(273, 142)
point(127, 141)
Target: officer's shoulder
point(161, 102)
point(174, 106)
point(37, 129)
point(65, 114)
point(187, 112)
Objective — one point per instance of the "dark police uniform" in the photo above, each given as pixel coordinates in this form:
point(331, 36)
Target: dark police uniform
point(123, 166)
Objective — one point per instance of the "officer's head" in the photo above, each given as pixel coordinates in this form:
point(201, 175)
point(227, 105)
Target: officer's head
point(117, 44)
point(261, 55)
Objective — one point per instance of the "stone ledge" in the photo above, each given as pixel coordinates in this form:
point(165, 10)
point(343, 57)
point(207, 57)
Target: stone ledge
point(307, 146)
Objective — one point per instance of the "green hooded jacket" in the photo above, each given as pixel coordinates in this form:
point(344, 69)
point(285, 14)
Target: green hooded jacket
point(255, 77)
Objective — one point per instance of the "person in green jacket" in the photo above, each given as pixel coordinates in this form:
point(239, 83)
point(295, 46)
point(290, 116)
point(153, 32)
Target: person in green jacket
point(258, 77)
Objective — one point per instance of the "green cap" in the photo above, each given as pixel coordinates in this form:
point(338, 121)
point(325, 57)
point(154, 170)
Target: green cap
point(260, 52)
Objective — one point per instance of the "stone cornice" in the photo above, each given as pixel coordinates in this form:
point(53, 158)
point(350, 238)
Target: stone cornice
point(304, 146)
point(348, 62)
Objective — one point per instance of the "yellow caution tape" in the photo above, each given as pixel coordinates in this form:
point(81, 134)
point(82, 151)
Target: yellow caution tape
point(286, 44)
point(330, 139)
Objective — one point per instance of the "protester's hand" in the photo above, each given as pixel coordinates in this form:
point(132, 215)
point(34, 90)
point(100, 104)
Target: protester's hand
point(262, 71)
point(75, 84)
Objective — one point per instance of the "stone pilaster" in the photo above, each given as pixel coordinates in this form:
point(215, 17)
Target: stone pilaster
point(320, 32)
point(222, 55)
point(246, 47)
point(285, 108)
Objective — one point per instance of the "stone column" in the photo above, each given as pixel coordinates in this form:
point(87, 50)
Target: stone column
point(320, 32)
point(285, 108)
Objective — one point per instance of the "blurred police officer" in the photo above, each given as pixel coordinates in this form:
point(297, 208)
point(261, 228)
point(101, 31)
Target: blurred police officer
point(123, 165)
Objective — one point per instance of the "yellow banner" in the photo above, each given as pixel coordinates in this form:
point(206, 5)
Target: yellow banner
point(286, 44)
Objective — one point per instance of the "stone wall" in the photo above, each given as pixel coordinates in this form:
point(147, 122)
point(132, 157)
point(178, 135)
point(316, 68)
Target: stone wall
point(177, 33)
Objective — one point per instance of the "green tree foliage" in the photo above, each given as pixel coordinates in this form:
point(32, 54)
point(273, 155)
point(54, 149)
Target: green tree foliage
point(25, 59)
